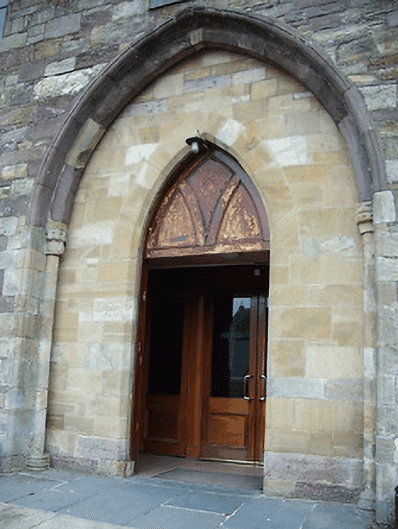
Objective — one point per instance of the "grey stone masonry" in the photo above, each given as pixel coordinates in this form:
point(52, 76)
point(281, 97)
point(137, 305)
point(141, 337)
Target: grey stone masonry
point(55, 52)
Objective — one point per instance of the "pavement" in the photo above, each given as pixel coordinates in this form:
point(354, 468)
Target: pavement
point(63, 499)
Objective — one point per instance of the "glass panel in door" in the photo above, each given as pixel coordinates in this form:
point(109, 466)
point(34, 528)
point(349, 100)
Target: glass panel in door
point(231, 346)
point(231, 404)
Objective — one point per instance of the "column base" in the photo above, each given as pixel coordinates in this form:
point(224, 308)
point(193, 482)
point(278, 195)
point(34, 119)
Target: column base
point(40, 462)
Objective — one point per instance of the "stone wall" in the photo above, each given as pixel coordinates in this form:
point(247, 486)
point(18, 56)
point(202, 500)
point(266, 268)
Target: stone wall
point(289, 146)
point(50, 52)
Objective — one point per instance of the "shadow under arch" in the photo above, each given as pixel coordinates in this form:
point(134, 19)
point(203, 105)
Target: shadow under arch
point(192, 30)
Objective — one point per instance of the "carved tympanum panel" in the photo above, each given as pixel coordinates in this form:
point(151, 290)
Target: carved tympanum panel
point(214, 208)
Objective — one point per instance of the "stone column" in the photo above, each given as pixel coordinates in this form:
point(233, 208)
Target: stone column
point(366, 228)
point(386, 252)
point(37, 458)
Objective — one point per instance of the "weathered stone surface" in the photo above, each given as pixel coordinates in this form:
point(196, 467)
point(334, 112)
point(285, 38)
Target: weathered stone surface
point(382, 96)
point(58, 67)
point(62, 26)
point(65, 84)
point(357, 39)
point(296, 388)
point(383, 207)
point(97, 448)
point(85, 143)
point(344, 389)
point(13, 41)
point(10, 172)
point(128, 9)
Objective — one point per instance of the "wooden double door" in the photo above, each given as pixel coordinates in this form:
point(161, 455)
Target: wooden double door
point(205, 362)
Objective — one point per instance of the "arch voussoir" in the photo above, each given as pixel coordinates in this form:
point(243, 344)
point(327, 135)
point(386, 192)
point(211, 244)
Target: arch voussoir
point(190, 31)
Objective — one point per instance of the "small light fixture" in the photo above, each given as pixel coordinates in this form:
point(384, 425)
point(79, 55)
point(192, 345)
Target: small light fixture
point(195, 143)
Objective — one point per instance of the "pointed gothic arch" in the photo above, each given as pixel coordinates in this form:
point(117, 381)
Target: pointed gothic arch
point(195, 29)
point(208, 212)
point(208, 207)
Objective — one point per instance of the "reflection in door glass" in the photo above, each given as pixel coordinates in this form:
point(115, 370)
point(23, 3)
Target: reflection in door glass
point(231, 346)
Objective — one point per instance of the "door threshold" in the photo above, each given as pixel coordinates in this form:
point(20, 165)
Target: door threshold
point(233, 461)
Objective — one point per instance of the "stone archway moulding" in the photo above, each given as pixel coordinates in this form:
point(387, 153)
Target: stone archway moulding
point(190, 31)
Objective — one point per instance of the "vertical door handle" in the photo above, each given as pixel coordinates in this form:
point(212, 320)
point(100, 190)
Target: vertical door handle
point(246, 387)
point(263, 378)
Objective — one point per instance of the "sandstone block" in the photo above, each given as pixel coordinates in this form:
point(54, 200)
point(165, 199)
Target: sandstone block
point(302, 323)
point(230, 131)
point(80, 425)
point(291, 150)
point(327, 416)
point(168, 86)
point(279, 274)
point(348, 333)
point(287, 441)
point(48, 48)
point(302, 123)
point(293, 295)
point(280, 413)
point(285, 104)
point(288, 358)
point(249, 76)
point(104, 356)
point(115, 273)
point(333, 362)
point(10, 172)
point(99, 448)
point(65, 334)
point(107, 208)
point(307, 194)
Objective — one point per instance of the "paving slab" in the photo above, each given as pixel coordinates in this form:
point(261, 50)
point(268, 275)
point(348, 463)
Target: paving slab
point(213, 502)
point(120, 505)
point(62, 499)
point(178, 518)
point(343, 516)
point(14, 487)
point(253, 515)
point(12, 517)
point(15, 517)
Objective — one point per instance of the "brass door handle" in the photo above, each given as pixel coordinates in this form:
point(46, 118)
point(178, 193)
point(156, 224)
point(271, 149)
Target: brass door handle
point(246, 387)
point(263, 378)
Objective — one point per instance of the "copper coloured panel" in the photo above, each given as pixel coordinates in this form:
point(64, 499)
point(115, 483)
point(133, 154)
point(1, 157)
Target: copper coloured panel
point(208, 183)
point(176, 228)
point(213, 209)
point(240, 220)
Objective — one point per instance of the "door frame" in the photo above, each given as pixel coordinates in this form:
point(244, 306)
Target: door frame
point(194, 449)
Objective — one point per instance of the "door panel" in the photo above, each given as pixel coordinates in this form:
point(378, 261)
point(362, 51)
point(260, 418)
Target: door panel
point(164, 427)
point(207, 336)
point(233, 406)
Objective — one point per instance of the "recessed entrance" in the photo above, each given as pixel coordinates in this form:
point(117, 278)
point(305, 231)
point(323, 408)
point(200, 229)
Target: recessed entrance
point(205, 362)
point(201, 349)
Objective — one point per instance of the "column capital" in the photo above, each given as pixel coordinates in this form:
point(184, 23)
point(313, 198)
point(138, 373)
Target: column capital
point(56, 240)
point(364, 217)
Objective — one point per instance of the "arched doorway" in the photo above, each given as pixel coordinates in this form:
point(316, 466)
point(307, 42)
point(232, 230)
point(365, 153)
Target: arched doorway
point(200, 381)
